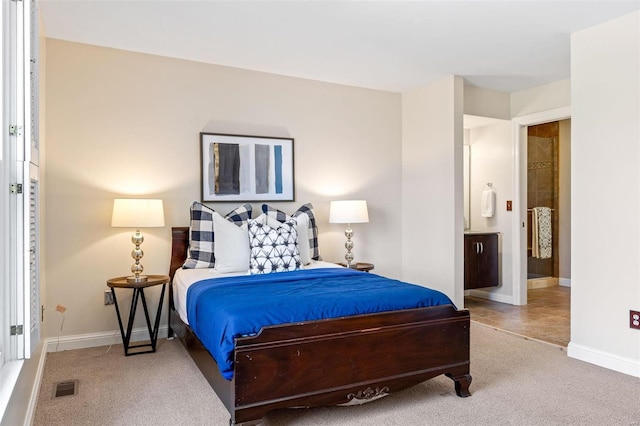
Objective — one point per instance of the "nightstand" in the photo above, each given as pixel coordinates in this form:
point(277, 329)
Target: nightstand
point(138, 293)
point(359, 266)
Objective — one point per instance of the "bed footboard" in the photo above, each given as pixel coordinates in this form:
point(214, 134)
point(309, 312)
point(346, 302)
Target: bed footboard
point(349, 360)
point(346, 361)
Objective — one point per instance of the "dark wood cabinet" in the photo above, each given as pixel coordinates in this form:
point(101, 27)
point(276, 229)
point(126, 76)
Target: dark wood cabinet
point(480, 260)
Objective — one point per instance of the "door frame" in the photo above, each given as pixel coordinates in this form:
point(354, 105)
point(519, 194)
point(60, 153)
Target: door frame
point(519, 241)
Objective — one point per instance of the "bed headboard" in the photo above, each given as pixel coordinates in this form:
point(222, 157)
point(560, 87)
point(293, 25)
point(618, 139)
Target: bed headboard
point(179, 246)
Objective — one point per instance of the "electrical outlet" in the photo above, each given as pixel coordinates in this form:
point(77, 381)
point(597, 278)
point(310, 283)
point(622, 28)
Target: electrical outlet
point(108, 297)
point(634, 319)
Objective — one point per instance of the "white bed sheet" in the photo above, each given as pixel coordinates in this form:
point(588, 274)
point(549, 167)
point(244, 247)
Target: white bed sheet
point(184, 278)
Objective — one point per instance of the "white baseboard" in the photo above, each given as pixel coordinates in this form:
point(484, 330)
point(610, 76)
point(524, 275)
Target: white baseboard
point(564, 282)
point(491, 296)
point(92, 340)
point(604, 359)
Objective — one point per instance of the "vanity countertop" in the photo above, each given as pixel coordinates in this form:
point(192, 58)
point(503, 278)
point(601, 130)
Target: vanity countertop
point(481, 232)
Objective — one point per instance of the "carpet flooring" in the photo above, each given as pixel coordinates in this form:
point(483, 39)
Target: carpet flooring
point(515, 382)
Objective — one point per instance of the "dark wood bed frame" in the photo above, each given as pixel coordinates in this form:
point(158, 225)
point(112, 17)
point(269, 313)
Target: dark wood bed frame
point(348, 360)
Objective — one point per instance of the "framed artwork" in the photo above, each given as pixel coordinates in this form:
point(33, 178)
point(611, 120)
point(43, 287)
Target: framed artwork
point(246, 168)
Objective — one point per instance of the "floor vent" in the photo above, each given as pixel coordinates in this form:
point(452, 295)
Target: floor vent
point(66, 388)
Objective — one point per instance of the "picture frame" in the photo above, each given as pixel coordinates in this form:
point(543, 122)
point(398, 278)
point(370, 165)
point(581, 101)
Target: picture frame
point(246, 168)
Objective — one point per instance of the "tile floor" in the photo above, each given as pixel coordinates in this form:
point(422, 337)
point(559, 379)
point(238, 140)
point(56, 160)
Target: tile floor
point(546, 317)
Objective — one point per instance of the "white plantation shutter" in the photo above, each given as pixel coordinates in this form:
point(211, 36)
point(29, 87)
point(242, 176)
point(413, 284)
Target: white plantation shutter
point(32, 117)
point(34, 98)
point(4, 304)
point(34, 263)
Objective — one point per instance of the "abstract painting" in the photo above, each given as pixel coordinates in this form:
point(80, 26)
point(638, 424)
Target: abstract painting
point(246, 168)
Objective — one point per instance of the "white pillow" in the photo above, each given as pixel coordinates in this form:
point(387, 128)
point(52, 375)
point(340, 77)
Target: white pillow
point(311, 236)
point(302, 222)
point(202, 235)
point(302, 226)
point(232, 245)
point(262, 219)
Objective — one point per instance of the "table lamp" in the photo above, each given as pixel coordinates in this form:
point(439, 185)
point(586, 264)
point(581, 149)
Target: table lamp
point(348, 211)
point(137, 213)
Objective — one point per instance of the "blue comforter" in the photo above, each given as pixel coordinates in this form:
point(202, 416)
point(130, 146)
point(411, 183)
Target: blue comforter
point(221, 309)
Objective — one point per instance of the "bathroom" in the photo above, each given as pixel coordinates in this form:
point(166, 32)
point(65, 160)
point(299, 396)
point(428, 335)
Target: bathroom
point(548, 185)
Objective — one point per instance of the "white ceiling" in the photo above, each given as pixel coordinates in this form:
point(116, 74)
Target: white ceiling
point(387, 45)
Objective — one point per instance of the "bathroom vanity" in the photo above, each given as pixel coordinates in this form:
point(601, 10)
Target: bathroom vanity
point(481, 260)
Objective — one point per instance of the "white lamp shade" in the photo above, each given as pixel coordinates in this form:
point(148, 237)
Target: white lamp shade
point(348, 211)
point(137, 213)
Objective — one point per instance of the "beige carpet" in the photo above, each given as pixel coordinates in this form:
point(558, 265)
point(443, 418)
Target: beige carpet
point(515, 382)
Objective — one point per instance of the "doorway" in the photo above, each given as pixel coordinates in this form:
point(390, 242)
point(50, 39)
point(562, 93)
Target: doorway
point(547, 315)
point(519, 225)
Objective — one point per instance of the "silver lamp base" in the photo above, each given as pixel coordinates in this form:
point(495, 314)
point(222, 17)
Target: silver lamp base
point(348, 245)
point(137, 254)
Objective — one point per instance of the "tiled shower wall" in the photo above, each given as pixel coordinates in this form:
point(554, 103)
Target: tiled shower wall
point(542, 190)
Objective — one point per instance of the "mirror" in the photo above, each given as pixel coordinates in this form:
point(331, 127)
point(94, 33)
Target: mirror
point(466, 166)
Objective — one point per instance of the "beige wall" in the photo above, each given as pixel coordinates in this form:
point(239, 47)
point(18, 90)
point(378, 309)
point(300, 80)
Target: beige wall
point(605, 126)
point(432, 189)
point(127, 124)
point(541, 98)
point(487, 103)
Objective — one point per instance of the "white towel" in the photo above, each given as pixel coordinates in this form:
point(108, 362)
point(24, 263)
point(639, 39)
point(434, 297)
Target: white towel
point(488, 203)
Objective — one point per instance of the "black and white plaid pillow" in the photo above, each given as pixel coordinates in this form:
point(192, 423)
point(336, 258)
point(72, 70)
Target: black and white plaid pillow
point(273, 249)
point(306, 209)
point(202, 234)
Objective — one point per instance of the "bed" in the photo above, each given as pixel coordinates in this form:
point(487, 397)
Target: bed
point(339, 361)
